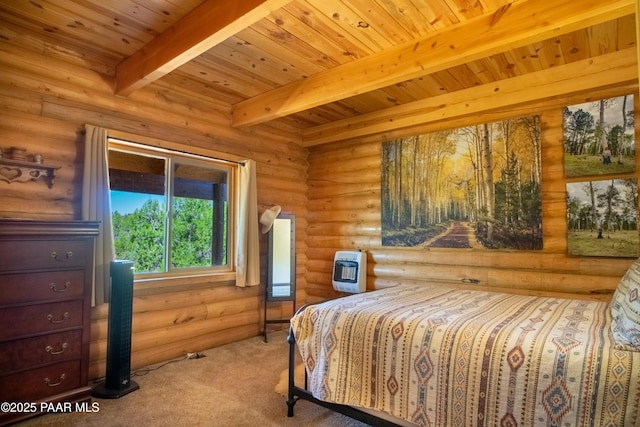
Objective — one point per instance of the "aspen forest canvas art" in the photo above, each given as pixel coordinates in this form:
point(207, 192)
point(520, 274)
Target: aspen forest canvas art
point(599, 137)
point(472, 187)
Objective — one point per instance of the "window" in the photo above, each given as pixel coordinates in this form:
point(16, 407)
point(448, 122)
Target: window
point(171, 211)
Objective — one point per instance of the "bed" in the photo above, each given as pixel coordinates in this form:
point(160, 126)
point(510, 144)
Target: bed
point(435, 356)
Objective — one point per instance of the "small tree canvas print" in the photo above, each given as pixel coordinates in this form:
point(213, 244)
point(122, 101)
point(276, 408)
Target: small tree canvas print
point(602, 218)
point(599, 137)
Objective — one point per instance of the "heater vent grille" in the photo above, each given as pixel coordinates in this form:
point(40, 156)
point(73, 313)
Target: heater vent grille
point(350, 271)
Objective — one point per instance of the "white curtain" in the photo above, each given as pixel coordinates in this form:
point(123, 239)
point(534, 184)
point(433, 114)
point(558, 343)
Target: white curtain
point(247, 233)
point(96, 206)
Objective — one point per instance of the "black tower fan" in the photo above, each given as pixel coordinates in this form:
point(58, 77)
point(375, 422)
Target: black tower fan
point(117, 381)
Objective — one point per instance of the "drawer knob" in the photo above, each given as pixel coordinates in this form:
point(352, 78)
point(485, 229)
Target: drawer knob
point(50, 383)
point(66, 256)
point(51, 319)
point(55, 288)
point(50, 349)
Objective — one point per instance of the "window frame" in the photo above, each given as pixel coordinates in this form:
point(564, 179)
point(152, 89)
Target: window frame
point(170, 155)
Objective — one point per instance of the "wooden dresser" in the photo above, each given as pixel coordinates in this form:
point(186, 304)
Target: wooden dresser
point(45, 307)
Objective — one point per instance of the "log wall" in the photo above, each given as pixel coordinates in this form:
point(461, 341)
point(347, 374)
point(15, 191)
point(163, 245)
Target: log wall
point(344, 196)
point(47, 93)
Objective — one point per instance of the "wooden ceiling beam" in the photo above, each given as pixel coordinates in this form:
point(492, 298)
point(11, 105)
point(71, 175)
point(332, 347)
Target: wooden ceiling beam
point(212, 22)
point(518, 24)
point(610, 69)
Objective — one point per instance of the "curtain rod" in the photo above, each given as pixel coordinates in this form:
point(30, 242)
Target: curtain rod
point(237, 162)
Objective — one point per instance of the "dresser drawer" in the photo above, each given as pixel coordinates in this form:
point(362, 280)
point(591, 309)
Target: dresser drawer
point(46, 286)
point(41, 382)
point(20, 355)
point(41, 254)
point(20, 321)
point(46, 269)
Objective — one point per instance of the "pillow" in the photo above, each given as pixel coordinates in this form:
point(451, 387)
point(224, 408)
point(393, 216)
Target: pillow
point(625, 310)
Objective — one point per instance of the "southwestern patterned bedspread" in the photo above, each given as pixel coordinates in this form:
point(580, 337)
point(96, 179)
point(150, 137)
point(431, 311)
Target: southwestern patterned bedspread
point(441, 357)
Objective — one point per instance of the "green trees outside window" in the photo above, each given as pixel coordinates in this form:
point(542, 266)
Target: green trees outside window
point(169, 212)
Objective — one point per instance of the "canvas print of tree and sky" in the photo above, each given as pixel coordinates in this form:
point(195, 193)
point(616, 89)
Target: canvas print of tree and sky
point(602, 218)
point(599, 137)
point(472, 187)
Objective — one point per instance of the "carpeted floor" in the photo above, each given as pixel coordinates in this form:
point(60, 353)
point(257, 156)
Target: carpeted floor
point(240, 384)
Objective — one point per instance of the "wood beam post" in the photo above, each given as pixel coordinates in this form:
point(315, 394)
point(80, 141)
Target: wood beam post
point(518, 24)
point(201, 29)
point(610, 69)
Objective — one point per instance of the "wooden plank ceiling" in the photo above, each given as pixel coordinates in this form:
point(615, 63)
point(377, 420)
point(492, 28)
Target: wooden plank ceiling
point(332, 69)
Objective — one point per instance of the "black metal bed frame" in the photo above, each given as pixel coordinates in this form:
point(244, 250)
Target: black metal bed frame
point(296, 393)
